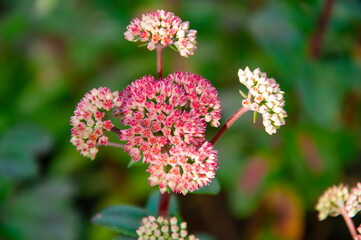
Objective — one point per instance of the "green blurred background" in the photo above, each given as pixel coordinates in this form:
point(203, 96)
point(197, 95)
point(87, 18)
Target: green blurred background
point(54, 51)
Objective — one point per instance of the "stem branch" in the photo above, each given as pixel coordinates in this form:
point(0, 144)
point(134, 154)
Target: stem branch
point(163, 206)
point(118, 145)
point(229, 123)
point(159, 49)
point(323, 21)
point(349, 223)
point(115, 130)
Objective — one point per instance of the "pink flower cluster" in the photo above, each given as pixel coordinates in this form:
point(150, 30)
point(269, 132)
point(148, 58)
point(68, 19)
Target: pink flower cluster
point(264, 97)
point(163, 29)
point(167, 120)
point(88, 120)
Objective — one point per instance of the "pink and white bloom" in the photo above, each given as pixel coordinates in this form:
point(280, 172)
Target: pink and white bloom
point(88, 121)
point(184, 169)
point(265, 97)
point(167, 119)
point(332, 201)
point(161, 29)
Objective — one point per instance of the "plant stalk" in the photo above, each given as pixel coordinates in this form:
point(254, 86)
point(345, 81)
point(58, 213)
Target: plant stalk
point(349, 223)
point(115, 130)
point(159, 49)
point(163, 205)
point(229, 123)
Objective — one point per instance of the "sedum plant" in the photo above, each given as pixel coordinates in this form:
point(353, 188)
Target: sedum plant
point(164, 120)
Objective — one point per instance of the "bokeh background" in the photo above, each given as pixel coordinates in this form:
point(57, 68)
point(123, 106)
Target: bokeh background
point(54, 51)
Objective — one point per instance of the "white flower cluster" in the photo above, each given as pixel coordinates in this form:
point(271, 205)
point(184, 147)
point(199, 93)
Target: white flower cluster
point(332, 201)
point(162, 28)
point(265, 97)
point(163, 229)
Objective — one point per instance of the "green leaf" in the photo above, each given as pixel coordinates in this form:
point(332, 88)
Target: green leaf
point(255, 114)
point(173, 47)
point(134, 163)
point(27, 138)
point(242, 93)
point(18, 148)
point(143, 45)
point(153, 201)
point(123, 219)
point(212, 189)
point(17, 165)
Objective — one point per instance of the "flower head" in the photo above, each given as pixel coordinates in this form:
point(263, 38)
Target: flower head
point(88, 123)
point(167, 120)
point(332, 201)
point(184, 168)
point(163, 229)
point(264, 97)
point(162, 28)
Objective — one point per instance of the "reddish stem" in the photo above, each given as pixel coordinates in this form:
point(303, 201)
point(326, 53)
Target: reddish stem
point(163, 205)
point(323, 21)
point(229, 123)
point(115, 130)
point(349, 223)
point(159, 49)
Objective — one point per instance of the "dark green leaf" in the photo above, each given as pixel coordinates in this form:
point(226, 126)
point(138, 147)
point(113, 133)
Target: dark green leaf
point(17, 165)
point(27, 138)
point(123, 219)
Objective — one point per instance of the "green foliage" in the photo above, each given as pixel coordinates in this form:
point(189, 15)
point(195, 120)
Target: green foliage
point(123, 219)
point(41, 212)
point(19, 146)
point(52, 52)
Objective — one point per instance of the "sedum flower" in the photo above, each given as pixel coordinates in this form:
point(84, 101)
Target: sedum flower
point(332, 201)
point(88, 121)
point(167, 120)
point(353, 203)
point(264, 97)
point(184, 168)
point(162, 28)
point(163, 229)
